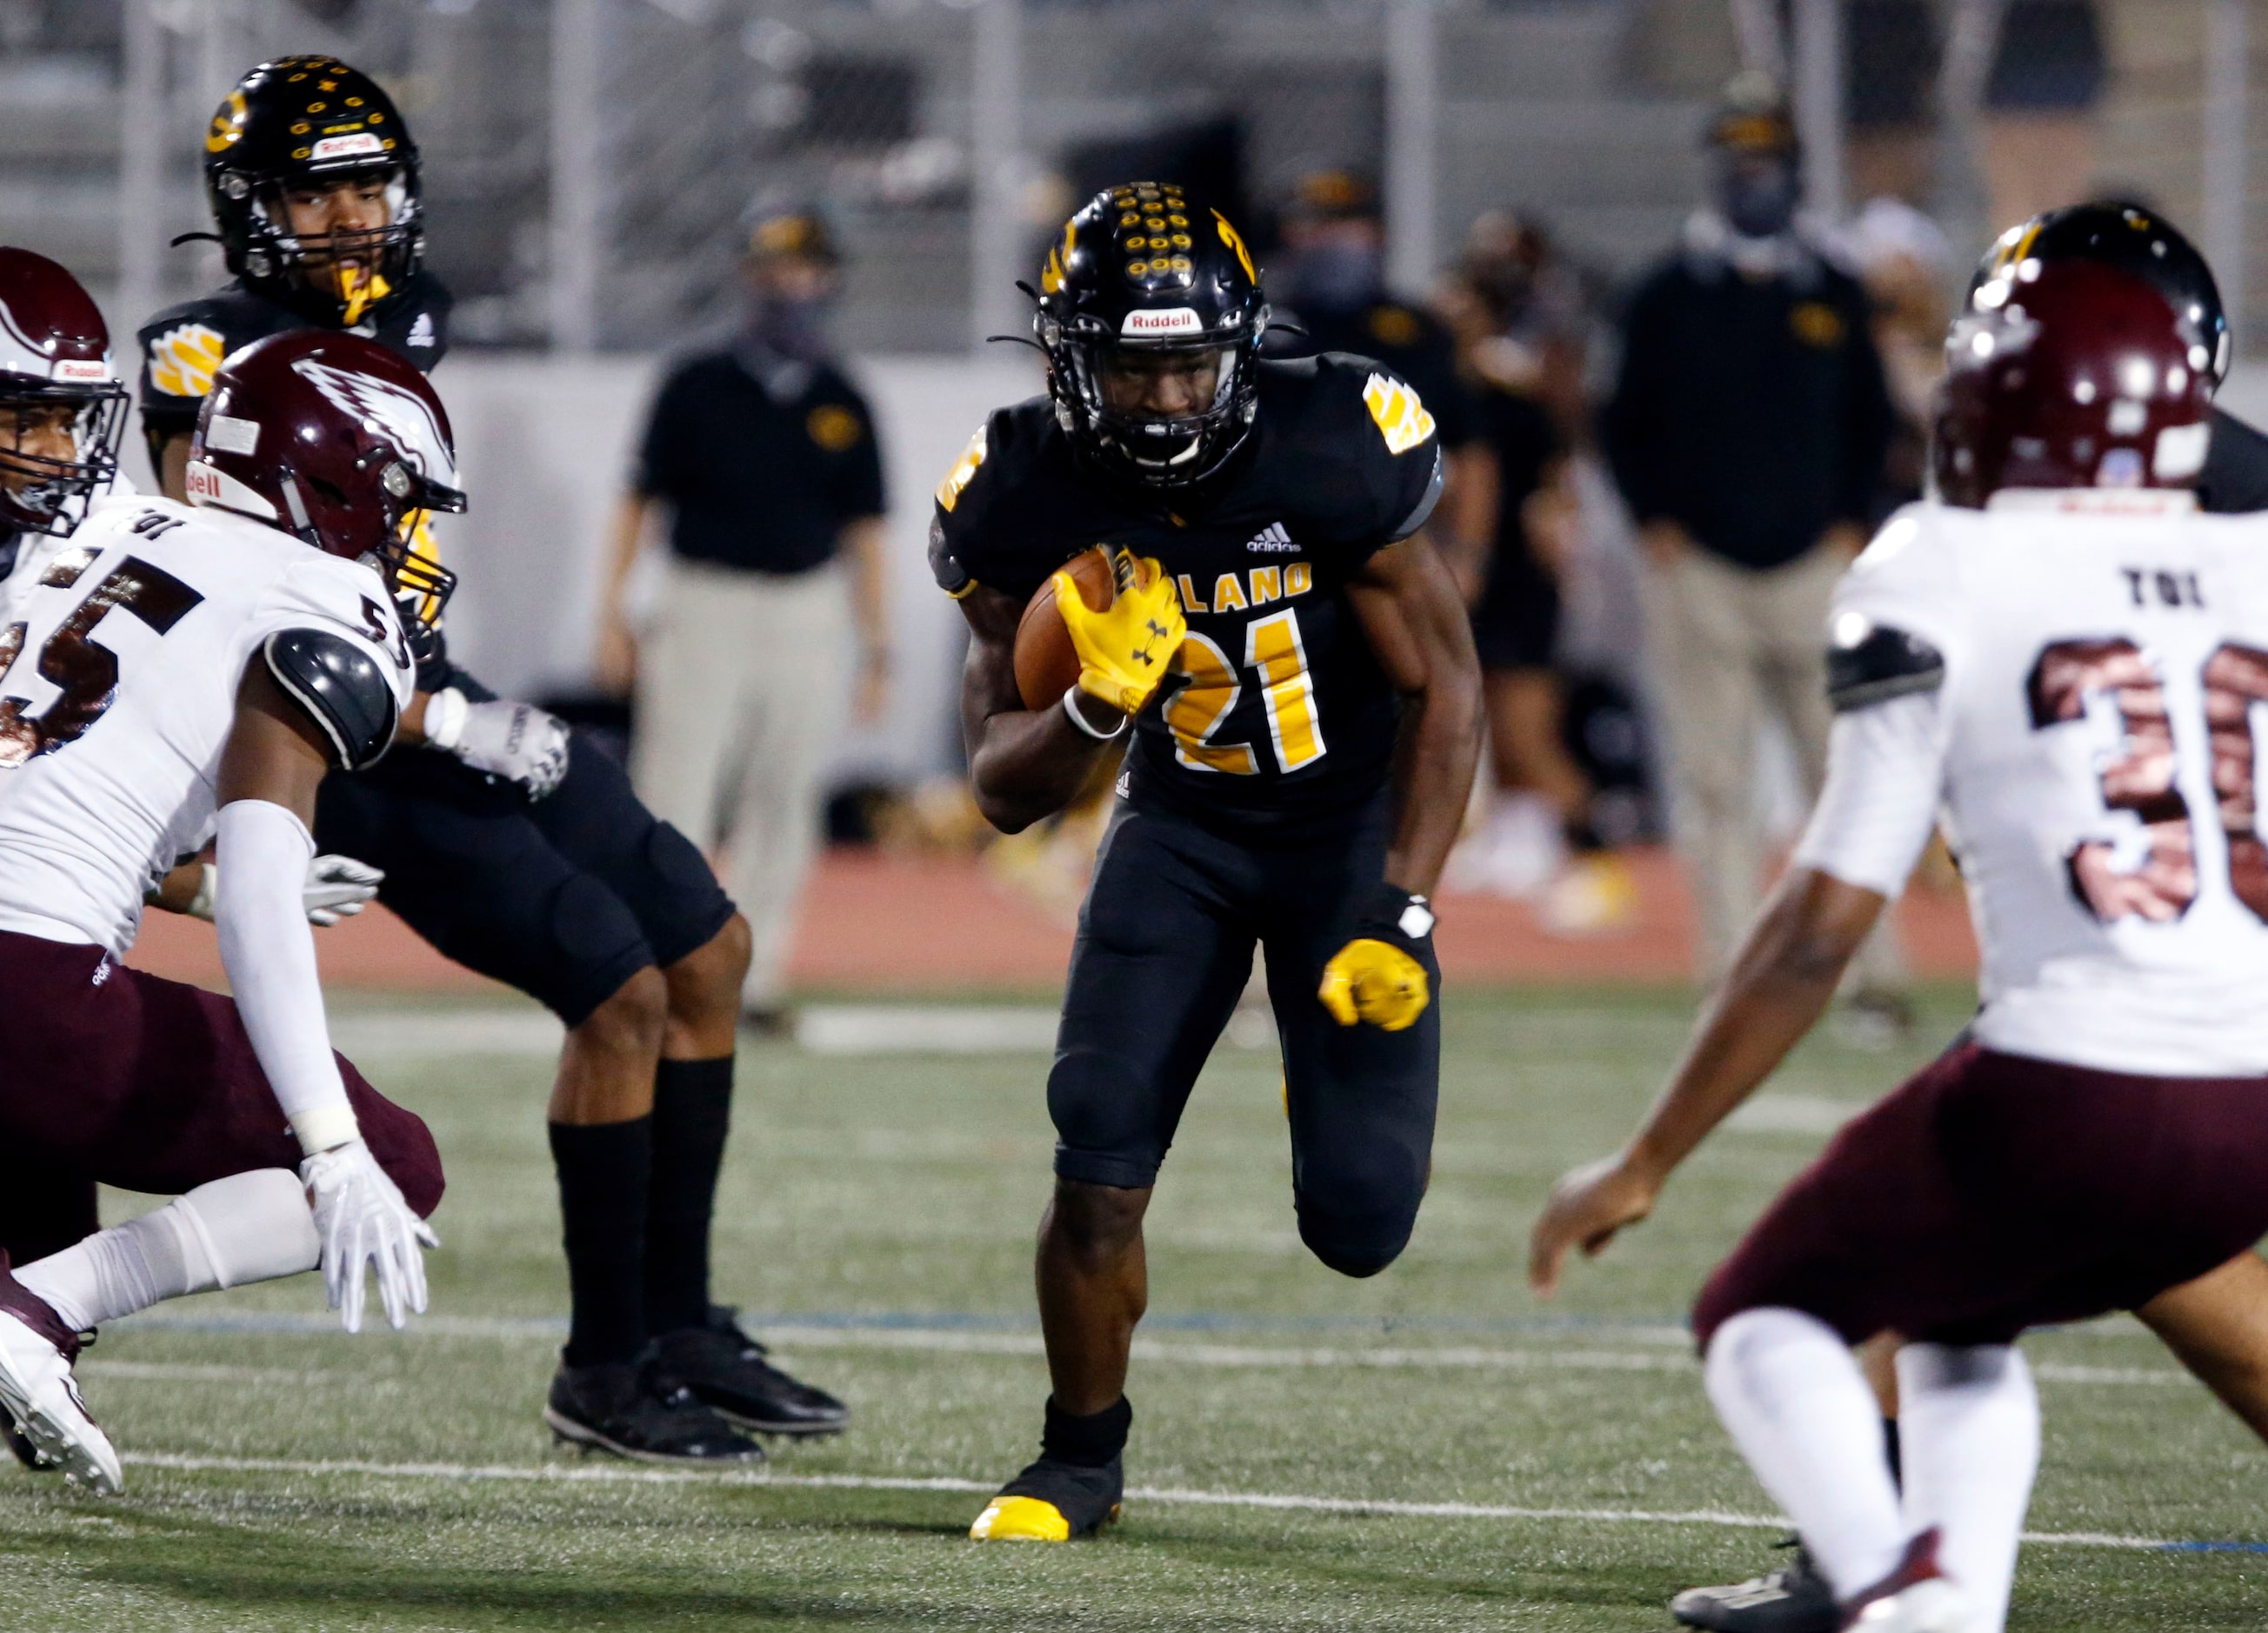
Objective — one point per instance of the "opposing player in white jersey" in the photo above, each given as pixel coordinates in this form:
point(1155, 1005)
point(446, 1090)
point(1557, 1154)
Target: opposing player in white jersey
point(2062, 662)
point(179, 673)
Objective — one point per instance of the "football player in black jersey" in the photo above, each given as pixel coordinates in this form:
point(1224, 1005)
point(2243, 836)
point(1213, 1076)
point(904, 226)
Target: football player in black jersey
point(530, 863)
point(1289, 666)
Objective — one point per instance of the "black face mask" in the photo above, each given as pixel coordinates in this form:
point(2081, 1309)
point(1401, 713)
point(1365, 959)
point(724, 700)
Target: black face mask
point(794, 329)
point(1759, 197)
point(1335, 276)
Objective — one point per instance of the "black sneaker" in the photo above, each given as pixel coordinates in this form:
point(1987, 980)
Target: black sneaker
point(627, 1409)
point(1053, 1502)
point(1794, 1598)
point(727, 1369)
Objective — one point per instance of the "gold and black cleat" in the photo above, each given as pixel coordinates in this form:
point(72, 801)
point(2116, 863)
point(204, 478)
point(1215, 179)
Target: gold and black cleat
point(1053, 1501)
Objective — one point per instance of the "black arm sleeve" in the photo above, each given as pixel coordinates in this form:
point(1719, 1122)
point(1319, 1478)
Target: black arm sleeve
point(342, 691)
point(1878, 664)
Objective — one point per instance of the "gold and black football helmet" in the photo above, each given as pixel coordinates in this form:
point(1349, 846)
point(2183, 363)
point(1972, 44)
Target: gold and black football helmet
point(309, 122)
point(1145, 270)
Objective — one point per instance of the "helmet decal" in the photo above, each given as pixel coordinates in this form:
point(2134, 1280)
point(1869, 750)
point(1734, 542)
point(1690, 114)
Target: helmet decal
point(391, 412)
point(227, 126)
point(1234, 239)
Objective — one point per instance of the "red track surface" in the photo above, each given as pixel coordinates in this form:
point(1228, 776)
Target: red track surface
point(881, 924)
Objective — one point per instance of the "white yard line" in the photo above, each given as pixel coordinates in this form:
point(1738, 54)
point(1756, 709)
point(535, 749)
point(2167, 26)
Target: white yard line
point(605, 1475)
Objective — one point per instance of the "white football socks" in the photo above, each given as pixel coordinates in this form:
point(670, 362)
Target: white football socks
point(1969, 1434)
point(248, 1228)
point(1791, 1393)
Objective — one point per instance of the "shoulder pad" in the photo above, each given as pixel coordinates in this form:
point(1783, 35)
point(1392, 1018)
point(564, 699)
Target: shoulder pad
point(343, 689)
point(1869, 663)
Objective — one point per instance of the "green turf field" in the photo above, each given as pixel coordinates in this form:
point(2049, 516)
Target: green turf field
point(1529, 1468)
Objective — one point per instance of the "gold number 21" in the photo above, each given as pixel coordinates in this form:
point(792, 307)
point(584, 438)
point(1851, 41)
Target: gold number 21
point(1274, 652)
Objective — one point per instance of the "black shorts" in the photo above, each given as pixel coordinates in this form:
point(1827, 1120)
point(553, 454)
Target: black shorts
point(1164, 949)
point(565, 898)
point(1993, 1193)
point(1516, 621)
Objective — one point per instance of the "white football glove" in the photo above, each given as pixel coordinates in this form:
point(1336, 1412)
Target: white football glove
point(337, 887)
point(518, 742)
point(361, 1219)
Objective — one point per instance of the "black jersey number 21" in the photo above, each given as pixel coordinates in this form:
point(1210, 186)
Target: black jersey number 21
point(70, 658)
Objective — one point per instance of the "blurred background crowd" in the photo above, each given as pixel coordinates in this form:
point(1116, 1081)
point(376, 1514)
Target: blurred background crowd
point(1673, 275)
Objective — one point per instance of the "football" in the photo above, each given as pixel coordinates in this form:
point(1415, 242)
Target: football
point(1047, 663)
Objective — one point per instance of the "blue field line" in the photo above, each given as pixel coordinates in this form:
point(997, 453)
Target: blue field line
point(948, 1320)
point(2216, 1548)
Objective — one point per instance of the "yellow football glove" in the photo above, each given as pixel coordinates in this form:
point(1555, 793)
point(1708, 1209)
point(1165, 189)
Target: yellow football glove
point(1125, 650)
point(1376, 976)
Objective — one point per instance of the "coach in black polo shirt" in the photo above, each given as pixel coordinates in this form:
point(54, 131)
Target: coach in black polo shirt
point(762, 454)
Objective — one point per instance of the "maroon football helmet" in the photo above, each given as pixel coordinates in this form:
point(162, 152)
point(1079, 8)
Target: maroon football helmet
point(55, 367)
point(337, 440)
point(2074, 374)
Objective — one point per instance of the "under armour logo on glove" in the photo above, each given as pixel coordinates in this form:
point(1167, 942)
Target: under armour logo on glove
point(1145, 604)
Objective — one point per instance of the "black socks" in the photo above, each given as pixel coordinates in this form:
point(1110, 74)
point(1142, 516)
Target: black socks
point(1087, 1441)
point(692, 1113)
point(604, 1169)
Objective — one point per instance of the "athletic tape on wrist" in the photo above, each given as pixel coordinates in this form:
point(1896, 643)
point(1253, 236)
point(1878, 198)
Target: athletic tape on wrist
point(321, 1127)
point(445, 717)
point(1071, 707)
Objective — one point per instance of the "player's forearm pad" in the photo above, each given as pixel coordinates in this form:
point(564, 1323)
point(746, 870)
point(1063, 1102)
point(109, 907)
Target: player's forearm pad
point(268, 951)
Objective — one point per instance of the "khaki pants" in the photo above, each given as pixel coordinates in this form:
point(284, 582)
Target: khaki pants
point(741, 693)
point(1726, 643)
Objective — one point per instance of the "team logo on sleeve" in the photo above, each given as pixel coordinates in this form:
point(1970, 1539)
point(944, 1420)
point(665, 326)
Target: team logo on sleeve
point(182, 360)
point(402, 419)
point(964, 472)
point(1400, 418)
point(834, 427)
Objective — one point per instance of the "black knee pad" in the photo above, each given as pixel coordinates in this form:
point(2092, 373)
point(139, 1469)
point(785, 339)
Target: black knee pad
point(1357, 1244)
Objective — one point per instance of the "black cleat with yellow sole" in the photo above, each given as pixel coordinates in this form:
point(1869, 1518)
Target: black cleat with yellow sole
point(1053, 1501)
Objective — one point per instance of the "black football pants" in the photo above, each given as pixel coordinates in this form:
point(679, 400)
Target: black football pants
point(1164, 949)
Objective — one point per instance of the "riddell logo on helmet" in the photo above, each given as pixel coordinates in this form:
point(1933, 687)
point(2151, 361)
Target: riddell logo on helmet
point(1172, 320)
point(202, 482)
point(346, 147)
point(80, 369)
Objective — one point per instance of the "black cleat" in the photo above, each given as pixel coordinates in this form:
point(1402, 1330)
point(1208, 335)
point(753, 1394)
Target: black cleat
point(1794, 1598)
point(29, 1455)
point(1053, 1501)
point(627, 1409)
point(727, 1369)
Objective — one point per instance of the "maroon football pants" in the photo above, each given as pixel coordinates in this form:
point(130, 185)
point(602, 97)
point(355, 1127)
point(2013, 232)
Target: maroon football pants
point(1993, 1192)
point(110, 1075)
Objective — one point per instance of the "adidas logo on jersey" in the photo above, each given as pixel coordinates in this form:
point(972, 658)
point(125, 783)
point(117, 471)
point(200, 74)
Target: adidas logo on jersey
point(1271, 538)
point(421, 333)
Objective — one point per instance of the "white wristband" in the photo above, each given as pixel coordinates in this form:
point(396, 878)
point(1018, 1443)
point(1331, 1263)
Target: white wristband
point(445, 717)
point(1071, 707)
point(320, 1127)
